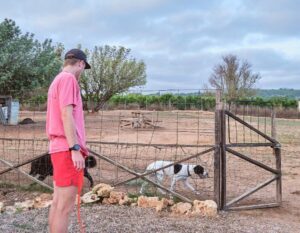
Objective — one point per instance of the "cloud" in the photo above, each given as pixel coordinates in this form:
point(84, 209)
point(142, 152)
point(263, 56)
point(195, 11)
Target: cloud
point(179, 42)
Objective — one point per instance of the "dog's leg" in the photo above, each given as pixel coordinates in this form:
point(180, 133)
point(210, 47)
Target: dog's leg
point(143, 187)
point(89, 177)
point(159, 180)
point(189, 186)
point(174, 180)
point(145, 183)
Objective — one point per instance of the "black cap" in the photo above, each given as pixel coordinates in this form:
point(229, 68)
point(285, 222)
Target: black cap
point(78, 54)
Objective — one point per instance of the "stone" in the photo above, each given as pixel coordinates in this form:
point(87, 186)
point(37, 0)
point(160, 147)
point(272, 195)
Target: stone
point(152, 202)
point(162, 205)
point(10, 210)
point(90, 197)
point(102, 190)
point(43, 201)
point(181, 208)
point(42, 204)
point(125, 201)
point(1, 207)
point(115, 197)
point(118, 198)
point(147, 202)
point(25, 205)
point(105, 201)
point(206, 208)
point(169, 201)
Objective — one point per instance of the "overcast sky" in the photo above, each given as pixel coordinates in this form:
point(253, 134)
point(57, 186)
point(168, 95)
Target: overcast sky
point(180, 41)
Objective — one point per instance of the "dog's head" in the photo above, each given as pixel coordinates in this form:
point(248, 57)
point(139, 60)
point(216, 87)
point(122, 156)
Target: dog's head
point(90, 161)
point(199, 170)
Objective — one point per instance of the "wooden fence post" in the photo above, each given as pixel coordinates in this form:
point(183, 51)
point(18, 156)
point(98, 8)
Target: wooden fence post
point(217, 159)
point(273, 124)
point(223, 158)
point(277, 151)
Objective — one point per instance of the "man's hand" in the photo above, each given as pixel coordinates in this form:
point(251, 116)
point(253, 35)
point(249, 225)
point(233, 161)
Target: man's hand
point(78, 160)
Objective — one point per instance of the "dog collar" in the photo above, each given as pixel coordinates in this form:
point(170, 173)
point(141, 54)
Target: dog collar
point(188, 170)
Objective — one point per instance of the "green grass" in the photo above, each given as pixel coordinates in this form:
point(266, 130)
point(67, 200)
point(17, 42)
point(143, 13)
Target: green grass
point(136, 182)
point(34, 188)
point(27, 188)
point(288, 122)
point(5, 185)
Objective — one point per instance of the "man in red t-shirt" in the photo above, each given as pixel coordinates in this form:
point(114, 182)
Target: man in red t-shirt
point(65, 130)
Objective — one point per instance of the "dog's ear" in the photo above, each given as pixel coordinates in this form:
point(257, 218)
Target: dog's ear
point(177, 168)
point(198, 169)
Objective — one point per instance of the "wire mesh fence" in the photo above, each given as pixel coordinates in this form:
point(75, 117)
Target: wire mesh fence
point(139, 132)
point(134, 138)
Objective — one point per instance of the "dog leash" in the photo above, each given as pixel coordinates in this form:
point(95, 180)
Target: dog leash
point(80, 185)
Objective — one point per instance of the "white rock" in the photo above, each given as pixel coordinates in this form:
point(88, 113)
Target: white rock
point(89, 197)
point(10, 210)
point(25, 205)
point(43, 201)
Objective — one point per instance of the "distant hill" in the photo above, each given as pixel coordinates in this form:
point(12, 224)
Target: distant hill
point(282, 92)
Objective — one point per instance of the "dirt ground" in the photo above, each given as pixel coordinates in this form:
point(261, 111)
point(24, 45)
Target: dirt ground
point(119, 219)
point(187, 128)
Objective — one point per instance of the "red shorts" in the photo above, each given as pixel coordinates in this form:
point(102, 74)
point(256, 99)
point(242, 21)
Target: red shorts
point(64, 172)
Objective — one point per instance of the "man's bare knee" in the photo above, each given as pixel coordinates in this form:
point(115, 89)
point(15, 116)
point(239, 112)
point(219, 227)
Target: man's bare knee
point(65, 200)
point(65, 209)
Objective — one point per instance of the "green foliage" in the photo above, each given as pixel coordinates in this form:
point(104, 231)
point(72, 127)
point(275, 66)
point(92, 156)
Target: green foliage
point(202, 102)
point(282, 92)
point(112, 72)
point(36, 97)
point(167, 100)
point(25, 63)
point(284, 102)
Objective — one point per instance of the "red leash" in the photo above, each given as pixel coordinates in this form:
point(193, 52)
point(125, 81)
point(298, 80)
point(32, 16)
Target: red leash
point(80, 185)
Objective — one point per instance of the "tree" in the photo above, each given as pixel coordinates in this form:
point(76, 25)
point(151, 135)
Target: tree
point(112, 72)
point(25, 63)
point(235, 79)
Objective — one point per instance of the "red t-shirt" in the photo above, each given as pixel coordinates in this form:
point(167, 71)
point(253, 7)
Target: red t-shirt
point(63, 91)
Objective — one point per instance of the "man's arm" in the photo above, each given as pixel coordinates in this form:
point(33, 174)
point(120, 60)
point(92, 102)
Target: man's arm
point(70, 132)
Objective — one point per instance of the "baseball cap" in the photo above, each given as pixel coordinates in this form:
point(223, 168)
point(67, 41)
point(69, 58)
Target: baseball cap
point(78, 54)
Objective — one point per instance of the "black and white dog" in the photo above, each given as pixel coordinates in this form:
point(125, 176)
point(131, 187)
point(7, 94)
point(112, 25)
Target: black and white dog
point(177, 172)
point(43, 168)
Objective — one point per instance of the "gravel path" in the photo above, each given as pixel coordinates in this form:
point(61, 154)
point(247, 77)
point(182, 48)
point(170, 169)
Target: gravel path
point(114, 219)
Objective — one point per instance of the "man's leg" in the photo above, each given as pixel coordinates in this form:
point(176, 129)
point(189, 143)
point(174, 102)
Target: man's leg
point(65, 201)
point(52, 208)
